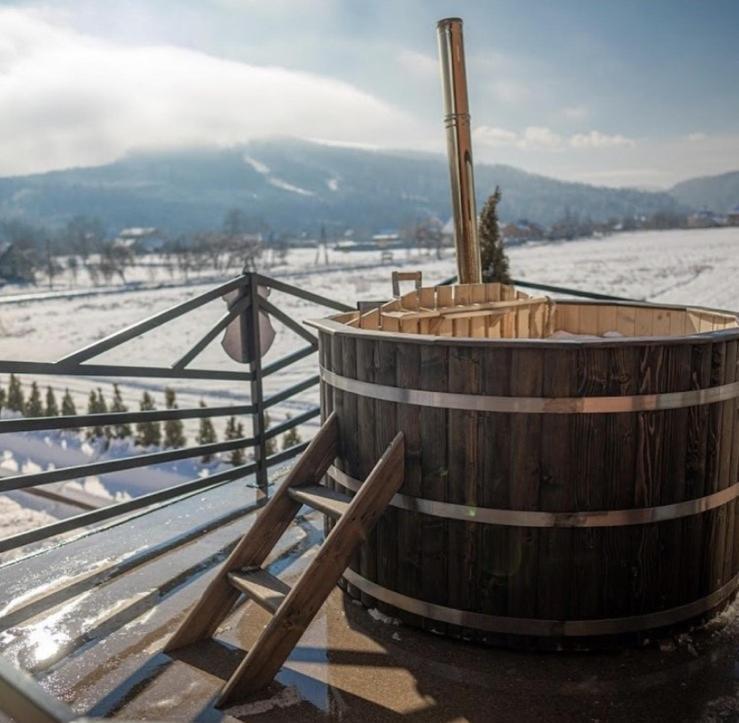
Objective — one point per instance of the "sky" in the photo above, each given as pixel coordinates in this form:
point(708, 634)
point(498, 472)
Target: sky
point(617, 92)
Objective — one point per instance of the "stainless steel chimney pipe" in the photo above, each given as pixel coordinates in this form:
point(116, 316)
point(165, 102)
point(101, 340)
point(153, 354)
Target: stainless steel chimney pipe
point(459, 149)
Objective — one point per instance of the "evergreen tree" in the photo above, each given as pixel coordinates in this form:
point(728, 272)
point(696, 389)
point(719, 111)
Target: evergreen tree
point(493, 256)
point(270, 445)
point(148, 433)
point(291, 437)
point(69, 408)
point(174, 430)
point(235, 430)
point(34, 406)
point(123, 429)
point(206, 433)
point(52, 408)
point(16, 401)
point(3, 397)
point(93, 407)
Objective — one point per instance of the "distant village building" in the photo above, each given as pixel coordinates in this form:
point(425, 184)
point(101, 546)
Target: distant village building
point(141, 239)
point(14, 265)
point(704, 218)
point(521, 230)
point(732, 218)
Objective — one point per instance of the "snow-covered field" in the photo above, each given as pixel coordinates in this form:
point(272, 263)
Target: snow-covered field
point(694, 267)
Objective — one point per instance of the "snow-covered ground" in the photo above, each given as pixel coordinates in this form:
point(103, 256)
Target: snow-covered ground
point(692, 266)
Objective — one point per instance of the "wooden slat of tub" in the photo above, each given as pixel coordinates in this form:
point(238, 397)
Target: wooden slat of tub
point(492, 291)
point(662, 321)
point(587, 447)
point(728, 438)
point(384, 537)
point(678, 358)
point(522, 323)
point(644, 320)
point(444, 297)
point(327, 405)
point(427, 297)
point(556, 490)
point(526, 379)
point(734, 476)
point(364, 443)
point(620, 544)
point(588, 323)
point(464, 479)
point(606, 319)
point(716, 518)
point(696, 444)
point(497, 568)
point(626, 320)
point(410, 538)
point(433, 421)
point(648, 478)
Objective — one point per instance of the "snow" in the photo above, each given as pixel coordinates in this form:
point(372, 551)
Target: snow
point(697, 267)
point(333, 184)
point(285, 186)
point(258, 166)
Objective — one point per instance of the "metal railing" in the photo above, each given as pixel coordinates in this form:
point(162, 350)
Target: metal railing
point(245, 311)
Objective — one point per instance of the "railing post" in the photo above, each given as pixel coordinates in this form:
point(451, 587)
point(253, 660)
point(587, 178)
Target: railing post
point(253, 345)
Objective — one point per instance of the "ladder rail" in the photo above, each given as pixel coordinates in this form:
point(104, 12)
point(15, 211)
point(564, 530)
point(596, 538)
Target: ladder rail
point(286, 627)
point(220, 596)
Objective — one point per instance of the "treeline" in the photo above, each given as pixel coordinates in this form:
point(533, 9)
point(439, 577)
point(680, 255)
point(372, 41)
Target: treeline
point(167, 434)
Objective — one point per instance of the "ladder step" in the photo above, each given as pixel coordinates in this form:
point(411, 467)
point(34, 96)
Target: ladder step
point(258, 585)
point(330, 502)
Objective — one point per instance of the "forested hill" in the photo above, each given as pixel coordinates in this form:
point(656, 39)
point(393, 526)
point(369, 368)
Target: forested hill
point(294, 185)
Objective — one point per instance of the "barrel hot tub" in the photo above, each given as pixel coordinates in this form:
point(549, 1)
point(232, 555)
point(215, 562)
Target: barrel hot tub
point(571, 467)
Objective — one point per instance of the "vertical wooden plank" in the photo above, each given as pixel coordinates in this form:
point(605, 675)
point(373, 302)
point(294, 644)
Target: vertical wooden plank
point(606, 319)
point(427, 297)
point(384, 538)
point(662, 322)
point(492, 291)
point(643, 320)
point(626, 320)
point(587, 448)
point(522, 323)
point(463, 480)
point(497, 567)
point(410, 524)
point(434, 466)
point(589, 320)
point(527, 368)
point(728, 435)
point(363, 445)
point(556, 489)
point(444, 296)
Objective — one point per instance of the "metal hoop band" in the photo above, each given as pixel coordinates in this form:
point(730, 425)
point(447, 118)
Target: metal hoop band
point(533, 405)
point(538, 627)
point(528, 518)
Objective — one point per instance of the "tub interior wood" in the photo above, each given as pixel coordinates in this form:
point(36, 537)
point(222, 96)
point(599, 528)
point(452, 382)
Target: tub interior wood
point(524, 520)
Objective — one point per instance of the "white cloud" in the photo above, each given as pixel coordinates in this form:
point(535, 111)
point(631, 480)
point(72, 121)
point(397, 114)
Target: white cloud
point(541, 138)
point(71, 99)
point(510, 92)
point(596, 139)
point(419, 64)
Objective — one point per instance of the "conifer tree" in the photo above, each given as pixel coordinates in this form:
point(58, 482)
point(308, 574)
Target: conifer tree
point(15, 401)
point(93, 407)
point(291, 437)
point(122, 429)
point(206, 433)
point(270, 445)
point(69, 409)
point(174, 430)
point(148, 433)
point(34, 406)
point(493, 256)
point(3, 398)
point(235, 430)
point(52, 408)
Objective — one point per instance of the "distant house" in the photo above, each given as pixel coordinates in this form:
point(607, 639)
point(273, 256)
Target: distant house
point(15, 266)
point(142, 239)
point(732, 218)
point(705, 218)
point(521, 230)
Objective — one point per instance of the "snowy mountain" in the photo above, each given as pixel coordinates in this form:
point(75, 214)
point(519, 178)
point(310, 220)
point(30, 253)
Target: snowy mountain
point(717, 193)
point(295, 185)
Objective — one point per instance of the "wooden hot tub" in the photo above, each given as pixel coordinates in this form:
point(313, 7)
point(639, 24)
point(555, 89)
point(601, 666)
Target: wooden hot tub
point(571, 467)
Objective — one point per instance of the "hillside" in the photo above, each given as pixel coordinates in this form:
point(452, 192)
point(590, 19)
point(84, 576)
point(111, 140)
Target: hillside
point(717, 193)
point(295, 185)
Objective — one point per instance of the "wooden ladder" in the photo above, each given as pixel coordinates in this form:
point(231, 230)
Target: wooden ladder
point(292, 608)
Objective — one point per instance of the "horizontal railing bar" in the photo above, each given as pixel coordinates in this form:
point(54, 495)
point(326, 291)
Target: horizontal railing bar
point(23, 699)
point(287, 360)
point(30, 424)
point(551, 287)
point(212, 333)
point(141, 327)
point(287, 393)
point(287, 321)
point(21, 481)
point(292, 422)
point(283, 456)
point(120, 508)
point(118, 370)
point(302, 293)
